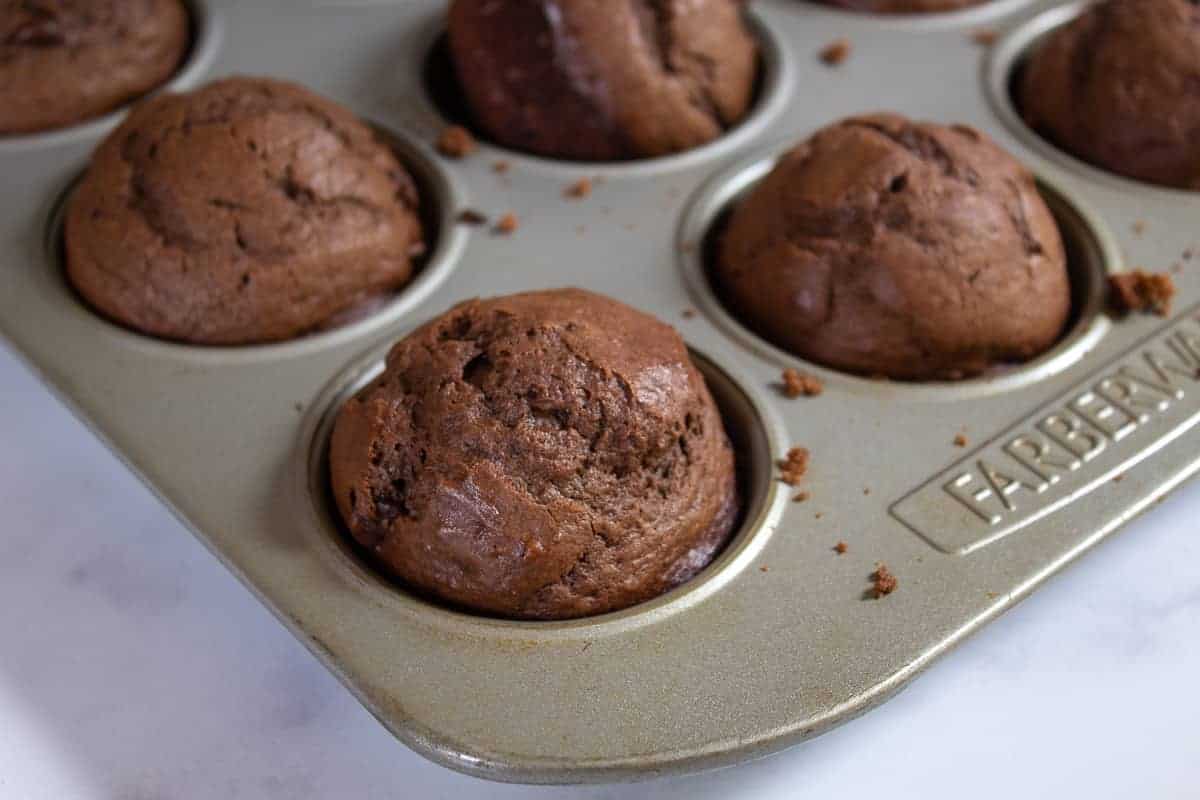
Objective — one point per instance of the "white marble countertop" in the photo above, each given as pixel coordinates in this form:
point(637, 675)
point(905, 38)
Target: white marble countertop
point(134, 667)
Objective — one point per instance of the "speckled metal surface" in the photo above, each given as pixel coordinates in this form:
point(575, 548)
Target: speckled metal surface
point(775, 642)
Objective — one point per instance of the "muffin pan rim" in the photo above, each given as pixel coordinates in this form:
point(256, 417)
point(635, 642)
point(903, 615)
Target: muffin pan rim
point(716, 196)
point(437, 185)
point(1008, 55)
point(988, 11)
point(776, 87)
point(208, 28)
point(762, 508)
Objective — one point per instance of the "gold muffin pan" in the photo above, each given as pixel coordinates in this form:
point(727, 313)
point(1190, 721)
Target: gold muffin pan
point(774, 642)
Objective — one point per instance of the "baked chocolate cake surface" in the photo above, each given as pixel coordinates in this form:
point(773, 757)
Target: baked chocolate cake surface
point(250, 210)
point(1119, 87)
point(603, 80)
point(544, 455)
point(893, 248)
point(65, 61)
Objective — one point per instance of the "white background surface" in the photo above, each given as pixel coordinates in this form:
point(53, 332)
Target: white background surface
point(134, 667)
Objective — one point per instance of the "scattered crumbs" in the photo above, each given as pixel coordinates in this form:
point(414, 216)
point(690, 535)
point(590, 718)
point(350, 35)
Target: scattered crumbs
point(764, 568)
point(866, 490)
point(991, 595)
point(840, 548)
point(579, 189)
point(835, 53)
point(500, 167)
point(797, 383)
point(960, 440)
point(688, 313)
point(1187, 254)
point(1118, 478)
point(456, 142)
point(800, 497)
point(1139, 227)
point(884, 582)
point(793, 467)
point(507, 224)
point(469, 216)
point(817, 515)
point(985, 37)
point(1141, 291)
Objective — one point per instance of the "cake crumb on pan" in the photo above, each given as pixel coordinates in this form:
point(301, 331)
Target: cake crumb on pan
point(797, 383)
point(835, 53)
point(1141, 291)
point(456, 141)
point(793, 467)
point(883, 581)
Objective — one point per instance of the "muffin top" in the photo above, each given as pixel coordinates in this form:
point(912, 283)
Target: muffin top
point(64, 61)
point(1120, 87)
point(544, 455)
point(603, 79)
point(894, 248)
point(250, 210)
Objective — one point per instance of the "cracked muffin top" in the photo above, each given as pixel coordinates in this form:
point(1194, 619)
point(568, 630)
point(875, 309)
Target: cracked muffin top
point(545, 455)
point(1120, 87)
point(247, 211)
point(603, 80)
point(64, 61)
point(899, 249)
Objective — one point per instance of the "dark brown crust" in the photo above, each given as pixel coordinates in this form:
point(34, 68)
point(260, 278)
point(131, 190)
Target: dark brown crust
point(892, 248)
point(1119, 87)
point(250, 210)
point(541, 456)
point(603, 79)
point(65, 61)
point(904, 6)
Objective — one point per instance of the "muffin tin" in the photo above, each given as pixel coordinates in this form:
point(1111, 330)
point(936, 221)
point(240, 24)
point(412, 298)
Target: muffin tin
point(776, 641)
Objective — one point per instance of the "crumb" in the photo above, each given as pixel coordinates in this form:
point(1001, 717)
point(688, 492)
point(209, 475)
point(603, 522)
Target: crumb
point(817, 515)
point(579, 189)
point(469, 216)
point(884, 581)
point(991, 595)
point(1118, 478)
point(1187, 254)
point(764, 568)
point(835, 53)
point(840, 548)
point(688, 313)
point(500, 167)
point(985, 37)
point(800, 497)
point(1141, 291)
point(299, 408)
point(1139, 227)
point(866, 491)
point(456, 142)
point(793, 467)
point(508, 224)
point(960, 440)
point(796, 383)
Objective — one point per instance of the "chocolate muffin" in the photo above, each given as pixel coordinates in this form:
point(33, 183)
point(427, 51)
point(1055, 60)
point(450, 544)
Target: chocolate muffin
point(894, 248)
point(603, 80)
point(904, 6)
point(1120, 87)
point(65, 61)
point(539, 456)
point(250, 210)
